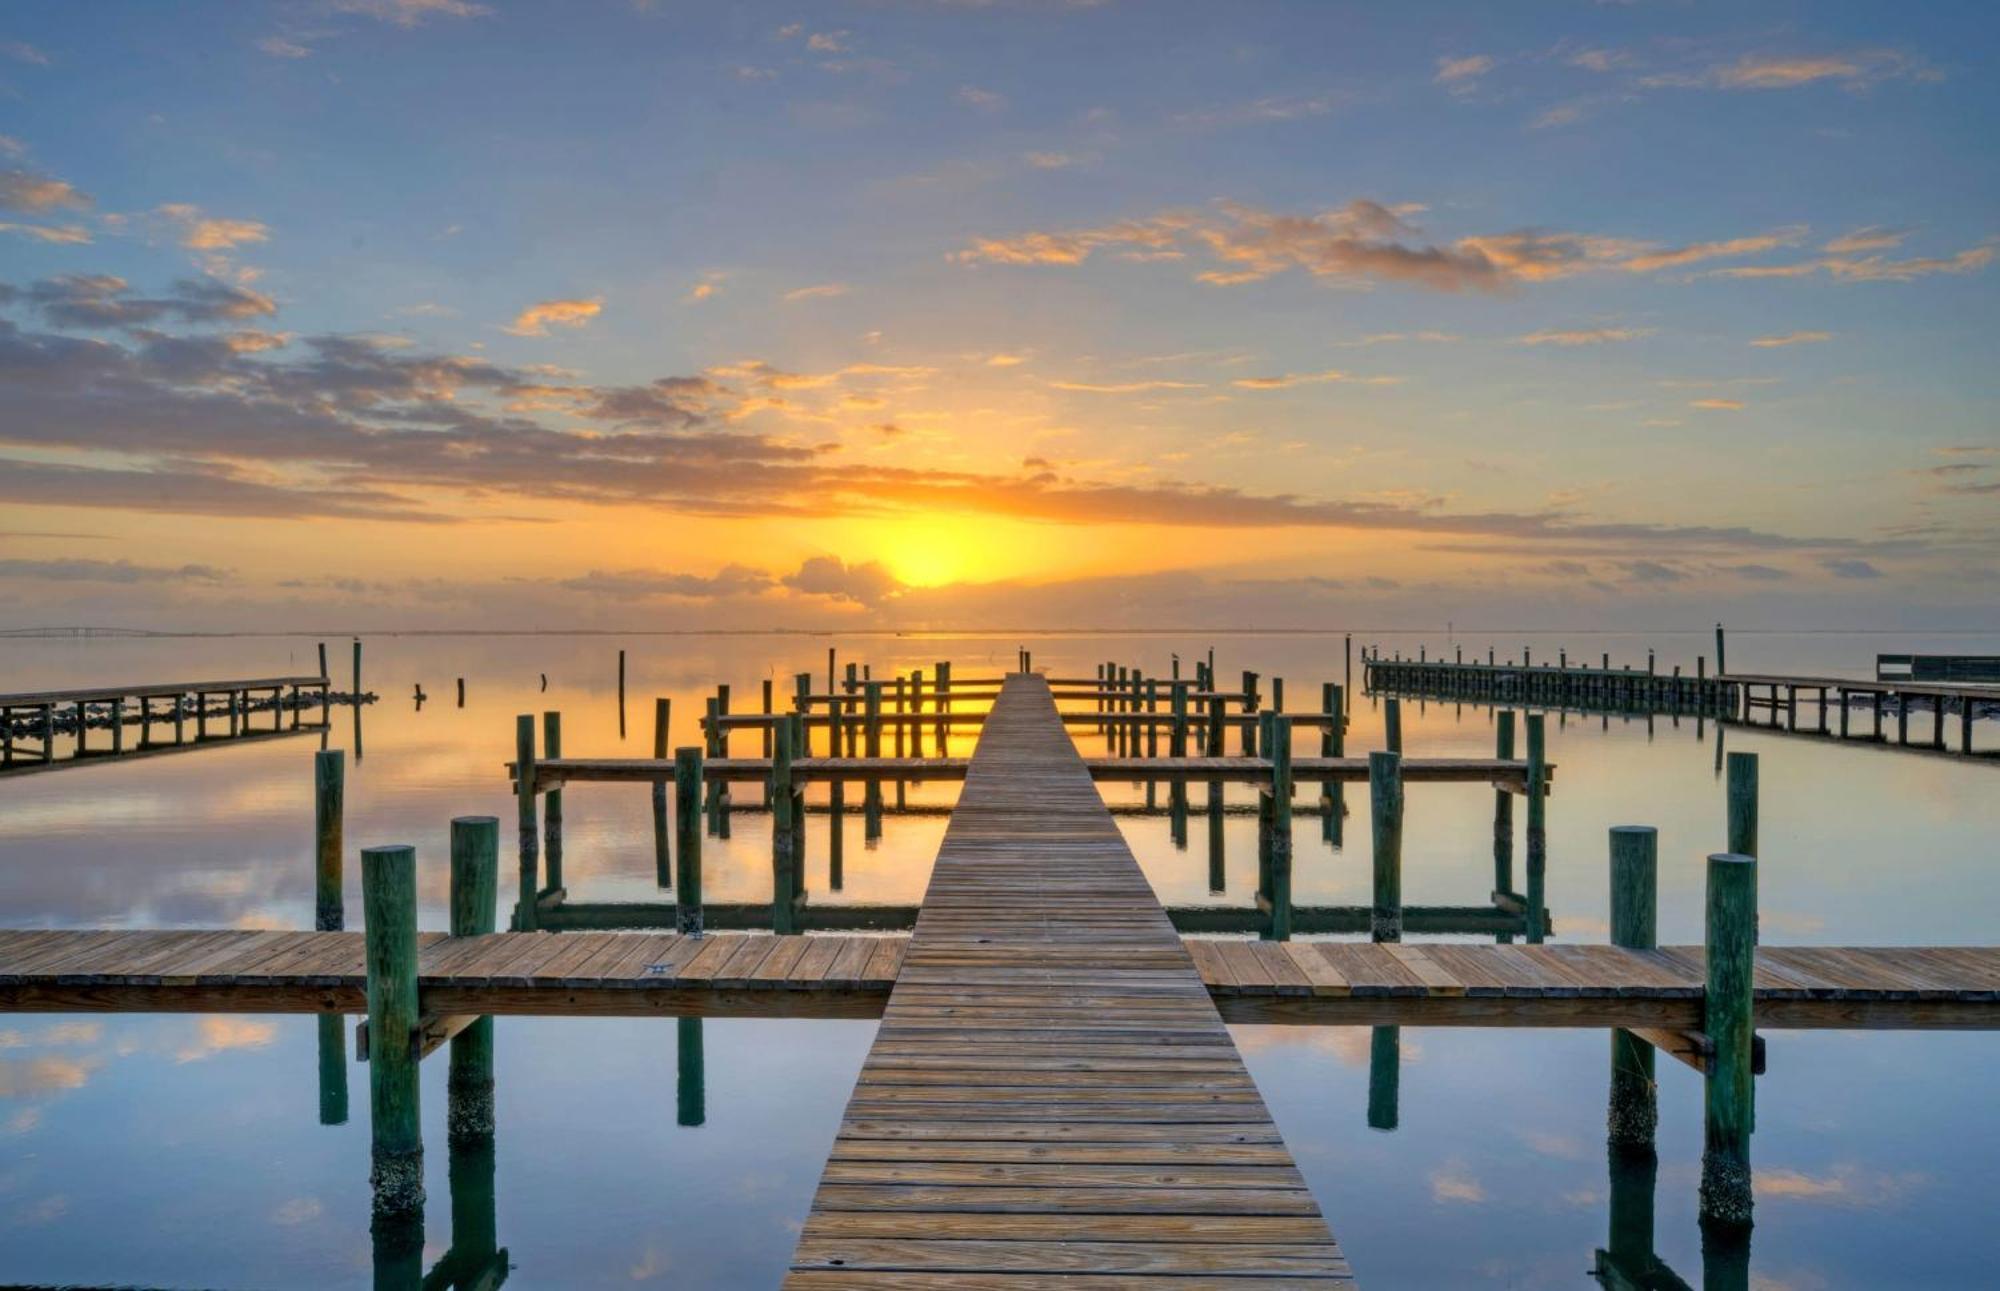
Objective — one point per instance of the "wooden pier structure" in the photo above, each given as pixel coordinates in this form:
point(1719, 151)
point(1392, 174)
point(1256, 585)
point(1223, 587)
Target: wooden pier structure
point(1053, 1095)
point(1842, 708)
point(31, 721)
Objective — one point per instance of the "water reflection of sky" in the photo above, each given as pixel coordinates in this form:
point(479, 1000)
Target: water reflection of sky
point(183, 1150)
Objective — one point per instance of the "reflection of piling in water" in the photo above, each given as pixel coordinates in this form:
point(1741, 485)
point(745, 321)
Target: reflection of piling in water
point(1385, 1076)
point(332, 1069)
point(690, 1074)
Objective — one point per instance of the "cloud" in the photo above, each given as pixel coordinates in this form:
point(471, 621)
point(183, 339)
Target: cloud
point(827, 42)
point(220, 1033)
point(32, 194)
point(59, 234)
point(1049, 160)
point(639, 584)
point(1873, 238)
point(103, 300)
point(1790, 338)
point(1856, 70)
point(1364, 241)
point(1873, 268)
point(1849, 568)
point(706, 288)
point(1124, 387)
point(1846, 1185)
point(1283, 107)
point(1391, 338)
point(410, 13)
point(1717, 405)
point(1309, 378)
point(537, 318)
point(1562, 114)
point(1756, 573)
point(1461, 75)
point(1585, 336)
point(201, 232)
point(109, 571)
point(22, 52)
point(819, 291)
point(1600, 60)
point(864, 584)
point(1454, 1182)
point(284, 47)
point(983, 100)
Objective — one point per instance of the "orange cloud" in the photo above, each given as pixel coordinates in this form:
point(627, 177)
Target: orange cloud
point(1585, 336)
point(1790, 338)
point(537, 318)
point(201, 232)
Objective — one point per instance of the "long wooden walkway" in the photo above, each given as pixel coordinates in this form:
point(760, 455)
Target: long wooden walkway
point(1051, 1091)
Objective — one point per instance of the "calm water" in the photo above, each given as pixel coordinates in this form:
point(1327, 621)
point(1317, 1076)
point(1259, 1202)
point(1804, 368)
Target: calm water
point(188, 1151)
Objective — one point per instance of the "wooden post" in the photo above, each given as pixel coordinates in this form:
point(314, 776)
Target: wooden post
point(1347, 677)
point(552, 819)
point(1503, 807)
point(621, 689)
point(871, 800)
point(783, 913)
point(322, 660)
point(1152, 737)
point(1250, 706)
point(1392, 725)
point(1727, 1021)
point(687, 841)
point(329, 803)
point(1537, 830)
point(1177, 747)
point(1279, 749)
point(836, 804)
point(944, 707)
point(802, 704)
point(1742, 803)
point(917, 713)
point(526, 916)
point(389, 904)
point(1385, 796)
point(797, 726)
point(764, 734)
point(901, 712)
point(663, 871)
point(721, 788)
point(1721, 657)
point(1334, 742)
point(1385, 1076)
point(357, 672)
point(1632, 1116)
point(830, 666)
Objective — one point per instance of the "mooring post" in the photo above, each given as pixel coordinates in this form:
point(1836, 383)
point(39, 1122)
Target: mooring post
point(1152, 703)
point(1727, 1013)
point(797, 726)
point(526, 915)
point(830, 666)
point(1251, 702)
point(944, 708)
point(1278, 745)
point(357, 673)
point(901, 713)
point(836, 805)
point(1537, 831)
point(690, 1071)
point(552, 817)
point(1385, 801)
point(712, 793)
point(1347, 654)
point(1385, 1076)
point(783, 913)
point(802, 705)
point(1721, 658)
point(722, 730)
point(329, 801)
point(475, 879)
point(1742, 803)
point(917, 713)
point(1392, 725)
point(389, 905)
point(687, 841)
point(1177, 747)
point(322, 660)
point(1503, 810)
point(663, 872)
point(621, 690)
point(1632, 1116)
point(764, 733)
point(1333, 793)
point(871, 801)
point(1265, 833)
point(1216, 866)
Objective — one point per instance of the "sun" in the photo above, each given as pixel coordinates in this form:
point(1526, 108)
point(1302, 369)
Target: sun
point(932, 552)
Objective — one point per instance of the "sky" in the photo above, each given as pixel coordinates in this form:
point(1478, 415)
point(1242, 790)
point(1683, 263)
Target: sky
point(432, 313)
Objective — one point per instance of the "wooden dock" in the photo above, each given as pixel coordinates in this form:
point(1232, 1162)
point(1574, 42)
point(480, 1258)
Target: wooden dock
point(1051, 1091)
point(31, 721)
point(850, 975)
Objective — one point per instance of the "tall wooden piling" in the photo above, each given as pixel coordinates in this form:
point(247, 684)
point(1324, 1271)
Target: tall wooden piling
point(687, 841)
point(475, 878)
point(1632, 1115)
point(1278, 814)
point(552, 806)
point(329, 804)
point(783, 826)
point(1503, 806)
point(1537, 829)
point(526, 915)
point(871, 798)
point(389, 903)
point(1727, 1021)
point(1392, 725)
point(901, 712)
point(357, 675)
point(1721, 657)
point(1216, 866)
point(1333, 743)
point(1742, 803)
point(836, 804)
point(663, 873)
point(1177, 747)
point(322, 660)
point(1385, 801)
